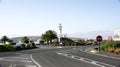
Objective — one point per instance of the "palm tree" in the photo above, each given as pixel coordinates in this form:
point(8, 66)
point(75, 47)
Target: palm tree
point(45, 38)
point(49, 36)
point(11, 42)
point(25, 40)
point(4, 39)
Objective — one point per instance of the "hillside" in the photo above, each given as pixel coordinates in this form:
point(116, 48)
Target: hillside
point(92, 35)
point(33, 38)
point(89, 35)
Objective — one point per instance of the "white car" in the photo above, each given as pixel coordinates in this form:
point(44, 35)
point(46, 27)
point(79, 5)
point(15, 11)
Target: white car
point(18, 44)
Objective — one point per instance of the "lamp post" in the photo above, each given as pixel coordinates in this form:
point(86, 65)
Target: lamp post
point(60, 35)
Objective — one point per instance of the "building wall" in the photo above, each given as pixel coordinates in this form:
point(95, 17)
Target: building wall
point(117, 35)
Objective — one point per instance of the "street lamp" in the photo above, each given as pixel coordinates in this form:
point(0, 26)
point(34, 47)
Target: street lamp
point(60, 35)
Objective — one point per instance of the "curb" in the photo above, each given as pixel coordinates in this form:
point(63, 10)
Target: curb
point(99, 54)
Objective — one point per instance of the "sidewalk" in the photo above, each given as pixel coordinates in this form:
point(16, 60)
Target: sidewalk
point(110, 54)
point(93, 51)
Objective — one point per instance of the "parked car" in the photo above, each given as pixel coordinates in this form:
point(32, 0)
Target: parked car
point(95, 43)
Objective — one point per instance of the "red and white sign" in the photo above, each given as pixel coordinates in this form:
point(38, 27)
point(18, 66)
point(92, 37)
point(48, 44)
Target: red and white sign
point(99, 38)
point(110, 38)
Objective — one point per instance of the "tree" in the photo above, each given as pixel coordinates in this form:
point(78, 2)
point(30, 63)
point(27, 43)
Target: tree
point(41, 41)
point(45, 38)
point(11, 42)
point(89, 42)
point(49, 36)
point(4, 39)
point(81, 41)
point(25, 40)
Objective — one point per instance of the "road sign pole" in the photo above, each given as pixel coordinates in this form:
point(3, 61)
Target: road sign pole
point(99, 47)
point(99, 40)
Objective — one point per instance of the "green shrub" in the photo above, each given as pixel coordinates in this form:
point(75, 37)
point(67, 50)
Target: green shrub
point(41, 42)
point(18, 48)
point(11, 43)
point(104, 47)
point(117, 44)
point(23, 46)
point(110, 45)
point(5, 47)
point(81, 42)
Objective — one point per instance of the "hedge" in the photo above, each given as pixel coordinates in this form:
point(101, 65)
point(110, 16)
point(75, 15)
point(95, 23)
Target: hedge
point(111, 46)
point(5, 47)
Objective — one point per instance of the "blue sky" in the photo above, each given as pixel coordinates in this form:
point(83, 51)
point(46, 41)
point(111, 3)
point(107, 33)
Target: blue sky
point(34, 17)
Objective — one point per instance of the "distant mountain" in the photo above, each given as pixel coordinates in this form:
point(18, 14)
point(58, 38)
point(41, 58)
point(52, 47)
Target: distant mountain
point(33, 38)
point(88, 35)
point(76, 35)
point(92, 35)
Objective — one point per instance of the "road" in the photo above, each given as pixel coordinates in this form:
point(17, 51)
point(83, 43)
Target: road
point(56, 57)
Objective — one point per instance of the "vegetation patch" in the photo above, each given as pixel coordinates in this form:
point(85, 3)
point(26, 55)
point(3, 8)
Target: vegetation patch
point(5, 47)
point(111, 46)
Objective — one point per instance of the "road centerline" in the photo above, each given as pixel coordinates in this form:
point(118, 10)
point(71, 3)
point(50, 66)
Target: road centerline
point(86, 60)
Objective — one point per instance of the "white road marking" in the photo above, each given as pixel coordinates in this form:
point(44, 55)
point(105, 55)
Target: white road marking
point(81, 59)
point(66, 54)
point(1, 58)
point(19, 58)
point(74, 48)
point(29, 61)
point(93, 62)
point(99, 54)
point(30, 66)
point(12, 65)
point(93, 51)
point(59, 47)
point(25, 59)
point(60, 53)
point(18, 53)
point(35, 61)
point(90, 61)
point(72, 56)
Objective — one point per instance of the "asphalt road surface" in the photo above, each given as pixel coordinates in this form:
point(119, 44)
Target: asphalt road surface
point(56, 57)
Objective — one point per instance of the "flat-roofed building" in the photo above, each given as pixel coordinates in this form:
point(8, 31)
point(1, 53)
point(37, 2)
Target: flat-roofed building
point(117, 35)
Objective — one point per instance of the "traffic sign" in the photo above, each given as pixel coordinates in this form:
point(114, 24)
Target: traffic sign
point(99, 38)
point(110, 38)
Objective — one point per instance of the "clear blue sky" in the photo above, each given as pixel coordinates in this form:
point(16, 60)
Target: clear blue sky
point(34, 17)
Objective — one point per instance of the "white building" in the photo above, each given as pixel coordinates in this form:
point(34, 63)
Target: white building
point(116, 35)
